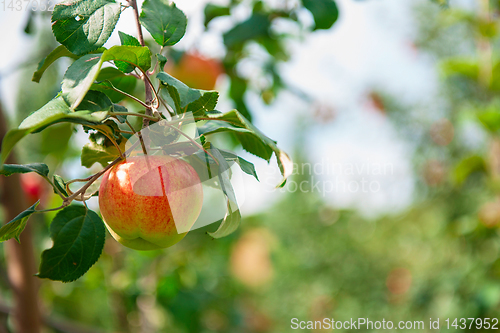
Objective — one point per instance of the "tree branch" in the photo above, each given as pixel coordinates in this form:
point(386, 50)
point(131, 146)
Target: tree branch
point(20, 257)
point(133, 3)
point(145, 78)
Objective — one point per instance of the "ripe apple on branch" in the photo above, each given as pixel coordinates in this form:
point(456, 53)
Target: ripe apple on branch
point(151, 191)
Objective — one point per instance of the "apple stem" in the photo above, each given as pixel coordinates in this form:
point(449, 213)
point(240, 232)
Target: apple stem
point(96, 176)
point(92, 179)
point(139, 135)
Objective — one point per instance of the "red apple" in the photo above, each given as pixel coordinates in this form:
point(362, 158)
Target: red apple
point(34, 187)
point(150, 202)
point(196, 71)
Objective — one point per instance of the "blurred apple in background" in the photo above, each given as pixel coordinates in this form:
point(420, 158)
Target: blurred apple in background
point(34, 187)
point(434, 172)
point(398, 282)
point(195, 70)
point(489, 213)
point(251, 258)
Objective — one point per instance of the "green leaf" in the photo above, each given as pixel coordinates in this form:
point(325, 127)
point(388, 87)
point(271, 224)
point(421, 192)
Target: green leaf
point(28, 28)
point(78, 235)
point(162, 61)
point(212, 11)
point(110, 77)
point(60, 184)
point(39, 168)
point(108, 128)
point(14, 228)
point(164, 21)
point(8, 142)
point(126, 39)
point(55, 111)
point(137, 56)
point(495, 77)
point(79, 78)
point(82, 73)
point(229, 224)
point(237, 91)
point(467, 166)
point(58, 52)
point(83, 26)
point(219, 168)
point(245, 166)
point(206, 103)
point(490, 120)
point(223, 166)
point(256, 26)
point(109, 74)
point(180, 95)
point(187, 95)
point(95, 101)
point(250, 137)
point(100, 150)
point(174, 98)
point(130, 41)
point(120, 108)
point(249, 141)
point(55, 140)
point(325, 12)
point(461, 66)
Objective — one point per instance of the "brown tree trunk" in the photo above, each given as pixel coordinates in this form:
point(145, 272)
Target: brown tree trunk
point(19, 257)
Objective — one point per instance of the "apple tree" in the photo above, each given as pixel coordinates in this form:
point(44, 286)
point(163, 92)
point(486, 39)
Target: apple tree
point(97, 94)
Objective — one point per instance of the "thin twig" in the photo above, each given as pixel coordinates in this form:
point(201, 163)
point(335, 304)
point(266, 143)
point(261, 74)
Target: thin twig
point(74, 181)
point(55, 188)
point(139, 135)
point(130, 125)
point(94, 177)
point(92, 180)
point(50, 209)
point(157, 62)
point(146, 78)
point(110, 138)
point(128, 95)
point(134, 114)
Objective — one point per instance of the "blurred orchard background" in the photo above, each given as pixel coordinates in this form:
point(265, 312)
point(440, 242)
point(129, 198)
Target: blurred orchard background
point(392, 118)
